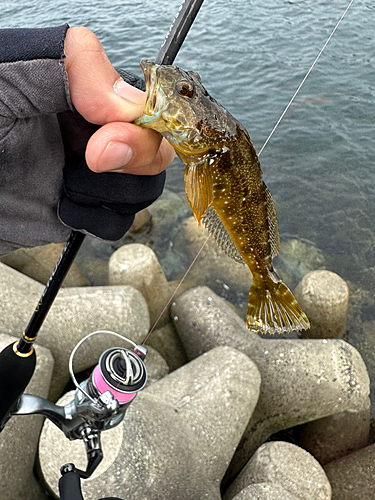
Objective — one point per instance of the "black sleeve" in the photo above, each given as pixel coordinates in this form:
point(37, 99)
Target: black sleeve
point(104, 204)
point(26, 44)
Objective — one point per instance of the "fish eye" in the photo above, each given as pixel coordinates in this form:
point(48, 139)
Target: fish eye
point(185, 88)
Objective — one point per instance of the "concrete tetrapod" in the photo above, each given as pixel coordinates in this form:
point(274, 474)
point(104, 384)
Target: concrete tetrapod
point(302, 380)
point(286, 465)
point(177, 438)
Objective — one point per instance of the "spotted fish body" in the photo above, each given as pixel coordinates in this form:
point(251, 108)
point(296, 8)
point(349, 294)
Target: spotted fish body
point(224, 187)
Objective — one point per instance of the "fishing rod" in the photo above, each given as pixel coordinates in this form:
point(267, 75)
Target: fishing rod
point(17, 361)
point(101, 401)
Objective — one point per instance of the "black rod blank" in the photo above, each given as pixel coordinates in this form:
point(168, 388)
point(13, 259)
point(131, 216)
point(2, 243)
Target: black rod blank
point(178, 31)
point(48, 296)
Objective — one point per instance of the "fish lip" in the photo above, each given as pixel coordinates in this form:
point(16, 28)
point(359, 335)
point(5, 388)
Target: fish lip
point(150, 75)
point(146, 68)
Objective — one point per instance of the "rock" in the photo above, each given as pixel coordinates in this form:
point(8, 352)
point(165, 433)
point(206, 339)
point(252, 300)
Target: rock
point(302, 380)
point(167, 342)
point(39, 262)
point(138, 266)
point(141, 220)
point(323, 296)
point(336, 436)
point(177, 437)
point(364, 341)
point(19, 439)
point(293, 468)
point(264, 491)
point(297, 258)
point(156, 365)
point(352, 477)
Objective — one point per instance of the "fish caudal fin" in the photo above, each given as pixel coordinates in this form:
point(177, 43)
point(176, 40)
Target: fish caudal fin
point(273, 309)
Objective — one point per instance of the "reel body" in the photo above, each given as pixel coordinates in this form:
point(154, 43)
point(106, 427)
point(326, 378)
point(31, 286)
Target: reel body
point(100, 402)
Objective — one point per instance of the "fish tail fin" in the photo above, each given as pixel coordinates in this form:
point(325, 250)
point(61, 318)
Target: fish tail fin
point(272, 308)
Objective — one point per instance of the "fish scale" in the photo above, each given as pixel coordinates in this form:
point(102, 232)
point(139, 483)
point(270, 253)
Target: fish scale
point(224, 187)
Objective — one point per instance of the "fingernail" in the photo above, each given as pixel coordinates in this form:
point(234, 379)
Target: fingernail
point(116, 155)
point(129, 92)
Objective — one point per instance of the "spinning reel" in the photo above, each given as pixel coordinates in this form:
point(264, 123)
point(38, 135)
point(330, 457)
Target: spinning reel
point(100, 402)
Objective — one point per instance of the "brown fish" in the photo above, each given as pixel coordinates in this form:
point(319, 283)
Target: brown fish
point(224, 187)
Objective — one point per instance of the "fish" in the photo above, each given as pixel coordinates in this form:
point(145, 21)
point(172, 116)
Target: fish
point(224, 187)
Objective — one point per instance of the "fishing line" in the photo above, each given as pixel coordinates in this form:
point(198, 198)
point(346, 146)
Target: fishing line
point(264, 145)
point(305, 78)
point(176, 290)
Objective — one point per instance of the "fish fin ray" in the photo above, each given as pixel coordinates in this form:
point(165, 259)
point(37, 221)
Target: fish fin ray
point(273, 309)
point(216, 228)
point(273, 228)
point(198, 187)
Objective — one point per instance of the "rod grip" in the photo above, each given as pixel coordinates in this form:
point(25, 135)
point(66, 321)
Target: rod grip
point(70, 486)
point(15, 373)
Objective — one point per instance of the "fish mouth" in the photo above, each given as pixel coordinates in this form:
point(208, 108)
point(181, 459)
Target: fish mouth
point(184, 140)
point(153, 95)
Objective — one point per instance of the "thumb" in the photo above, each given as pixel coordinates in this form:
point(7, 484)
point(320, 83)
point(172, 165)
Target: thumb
point(92, 81)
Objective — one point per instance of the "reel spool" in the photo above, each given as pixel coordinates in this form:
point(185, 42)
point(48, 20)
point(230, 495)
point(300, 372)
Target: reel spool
point(120, 371)
point(119, 375)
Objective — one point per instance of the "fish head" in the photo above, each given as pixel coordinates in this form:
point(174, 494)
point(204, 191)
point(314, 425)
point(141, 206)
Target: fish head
point(180, 108)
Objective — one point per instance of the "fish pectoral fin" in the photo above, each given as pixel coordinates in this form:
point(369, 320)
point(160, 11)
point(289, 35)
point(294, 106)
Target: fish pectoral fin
point(217, 230)
point(273, 228)
point(198, 187)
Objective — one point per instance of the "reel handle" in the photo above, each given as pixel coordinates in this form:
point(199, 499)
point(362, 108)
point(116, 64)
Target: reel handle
point(16, 370)
point(70, 484)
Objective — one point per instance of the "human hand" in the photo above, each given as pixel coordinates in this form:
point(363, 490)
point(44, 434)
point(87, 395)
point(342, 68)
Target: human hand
point(103, 98)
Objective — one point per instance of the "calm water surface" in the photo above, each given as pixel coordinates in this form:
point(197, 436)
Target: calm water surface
point(251, 56)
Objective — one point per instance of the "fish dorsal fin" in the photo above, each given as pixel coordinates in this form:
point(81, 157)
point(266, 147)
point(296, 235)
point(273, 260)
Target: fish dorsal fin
point(198, 187)
point(217, 230)
point(273, 229)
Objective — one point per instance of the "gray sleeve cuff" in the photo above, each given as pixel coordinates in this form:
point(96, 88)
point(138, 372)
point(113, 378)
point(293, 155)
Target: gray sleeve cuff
point(32, 92)
point(31, 88)
point(33, 79)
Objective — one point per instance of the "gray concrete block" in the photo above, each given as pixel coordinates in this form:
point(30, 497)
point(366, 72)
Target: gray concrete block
point(177, 437)
point(323, 296)
point(352, 477)
point(264, 491)
point(167, 342)
point(333, 437)
point(39, 262)
point(302, 380)
point(75, 313)
point(287, 465)
point(137, 265)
